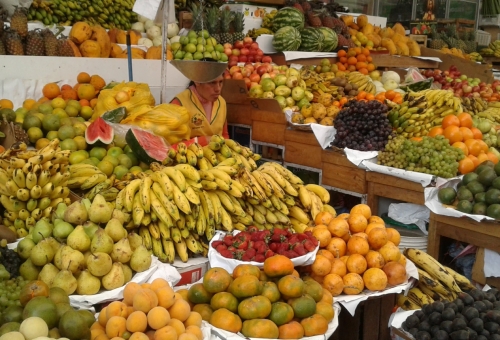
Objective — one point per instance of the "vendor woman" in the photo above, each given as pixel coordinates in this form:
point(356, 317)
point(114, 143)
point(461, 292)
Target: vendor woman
point(206, 107)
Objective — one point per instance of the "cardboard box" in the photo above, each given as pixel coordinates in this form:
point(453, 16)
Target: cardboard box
point(191, 271)
point(478, 271)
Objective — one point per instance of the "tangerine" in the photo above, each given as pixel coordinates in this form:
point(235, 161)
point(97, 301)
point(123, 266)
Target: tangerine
point(51, 90)
point(465, 120)
point(357, 223)
point(334, 284)
point(291, 330)
point(246, 269)
point(356, 263)
point(450, 120)
point(375, 279)
point(377, 238)
point(321, 265)
point(292, 286)
point(323, 217)
point(353, 284)
point(358, 245)
point(453, 134)
point(435, 131)
point(278, 265)
point(337, 247)
point(338, 267)
point(316, 324)
point(338, 227)
point(226, 320)
point(374, 259)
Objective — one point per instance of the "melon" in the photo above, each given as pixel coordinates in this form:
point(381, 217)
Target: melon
point(99, 131)
point(288, 16)
point(286, 39)
point(147, 146)
point(330, 41)
point(311, 40)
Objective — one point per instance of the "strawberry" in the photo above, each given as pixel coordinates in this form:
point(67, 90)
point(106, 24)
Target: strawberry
point(252, 229)
point(299, 249)
point(221, 247)
point(231, 248)
point(228, 240)
point(226, 253)
point(215, 244)
point(246, 257)
point(261, 235)
point(290, 254)
point(269, 253)
point(251, 244)
point(241, 245)
point(261, 249)
point(309, 245)
point(259, 258)
point(314, 241)
point(251, 252)
point(282, 247)
point(302, 237)
point(279, 235)
point(294, 239)
point(274, 246)
point(238, 254)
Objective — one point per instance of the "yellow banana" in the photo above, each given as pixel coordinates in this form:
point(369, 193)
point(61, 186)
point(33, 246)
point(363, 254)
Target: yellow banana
point(203, 164)
point(146, 237)
point(189, 172)
point(177, 177)
point(210, 155)
point(321, 192)
point(130, 191)
point(160, 211)
point(181, 201)
point(181, 250)
point(192, 196)
point(206, 185)
point(169, 250)
point(137, 210)
point(463, 282)
point(299, 214)
point(217, 207)
point(305, 197)
point(19, 178)
point(208, 208)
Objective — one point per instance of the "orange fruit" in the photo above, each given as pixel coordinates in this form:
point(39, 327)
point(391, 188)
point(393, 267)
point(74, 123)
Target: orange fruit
point(6, 104)
point(83, 78)
point(374, 225)
point(483, 146)
point(393, 236)
point(337, 247)
point(466, 133)
point(461, 146)
point(352, 61)
point(473, 159)
point(362, 209)
point(322, 235)
point(278, 265)
point(436, 130)
point(323, 217)
point(216, 280)
point(377, 238)
point(357, 223)
point(358, 245)
point(465, 119)
point(97, 82)
point(482, 157)
point(477, 133)
point(492, 157)
point(353, 284)
point(390, 94)
point(375, 279)
point(356, 263)
point(453, 133)
point(333, 283)
point(338, 227)
point(321, 266)
point(51, 90)
point(338, 267)
point(396, 273)
point(326, 253)
point(86, 91)
point(374, 259)
point(450, 120)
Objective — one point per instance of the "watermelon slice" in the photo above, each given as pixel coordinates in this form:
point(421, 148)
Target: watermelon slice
point(147, 146)
point(100, 131)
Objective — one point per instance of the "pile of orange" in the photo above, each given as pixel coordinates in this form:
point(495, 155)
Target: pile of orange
point(355, 59)
point(461, 133)
point(391, 95)
point(148, 311)
point(357, 251)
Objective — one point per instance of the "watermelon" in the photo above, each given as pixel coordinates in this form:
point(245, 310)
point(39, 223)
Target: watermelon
point(99, 131)
point(147, 146)
point(286, 39)
point(288, 16)
point(311, 40)
point(331, 40)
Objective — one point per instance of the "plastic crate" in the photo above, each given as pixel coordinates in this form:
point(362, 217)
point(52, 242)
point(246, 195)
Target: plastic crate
point(489, 21)
point(483, 38)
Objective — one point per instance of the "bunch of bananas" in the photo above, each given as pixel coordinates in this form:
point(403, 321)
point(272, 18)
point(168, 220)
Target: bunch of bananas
point(32, 183)
point(491, 113)
point(475, 56)
point(85, 176)
point(255, 32)
point(107, 13)
point(493, 49)
point(422, 110)
point(179, 207)
point(364, 83)
point(473, 105)
point(436, 282)
point(267, 21)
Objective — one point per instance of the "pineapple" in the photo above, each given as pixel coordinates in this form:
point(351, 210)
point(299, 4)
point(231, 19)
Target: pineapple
point(19, 22)
point(213, 24)
point(461, 41)
point(327, 19)
point(197, 13)
point(451, 36)
point(13, 43)
point(3, 15)
point(34, 43)
point(51, 43)
point(239, 25)
point(313, 19)
point(471, 42)
point(437, 42)
point(2, 48)
point(65, 49)
point(226, 18)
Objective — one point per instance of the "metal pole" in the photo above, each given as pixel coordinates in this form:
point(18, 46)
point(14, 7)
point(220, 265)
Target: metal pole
point(164, 62)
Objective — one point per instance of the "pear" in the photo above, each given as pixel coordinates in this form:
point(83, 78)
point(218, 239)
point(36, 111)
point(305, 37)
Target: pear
point(115, 278)
point(90, 228)
point(48, 273)
point(73, 261)
point(76, 213)
point(62, 229)
point(121, 216)
point(66, 281)
point(135, 240)
point(29, 271)
point(42, 253)
point(121, 251)
point(24, 247)
point(101, 242)
point(115, 230)
point(79, 240)
point(53, 243)
point(141, 259)
point(100, 211)
point(86, 203)
point(59, 212)
point(86, 256)
point(41, 230)
point(99, 264)
point(127, 272)
point(87, 284)
point(63, 249)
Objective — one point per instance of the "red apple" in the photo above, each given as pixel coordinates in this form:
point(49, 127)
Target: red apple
point(245, 51)
point(238, 44)
point(254, 46)
point(236, 51)
point(234, 69)
point(237, 75)
point(252, 52)
point(233, 57)
point(254, 77)
point(251, 58)
point(260, 53)
point(258, 58)
point(232, 63)
point(228, 52)
point(261, 70)
point(242, 59)
point(247, 40)
point(267, 59)
point(249, 66)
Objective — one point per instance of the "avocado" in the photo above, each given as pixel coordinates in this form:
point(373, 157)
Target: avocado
point(479, 208)
point(476, 187)
point(492, 196)
point(447, 195)
point(464, 206)
point(488, 163)
point(493, 211)
point(480, 168)
point(487, 176)
point(496, 183)
point(480, 197)
point(464, 194)
point(471, 176)
point(497, 168)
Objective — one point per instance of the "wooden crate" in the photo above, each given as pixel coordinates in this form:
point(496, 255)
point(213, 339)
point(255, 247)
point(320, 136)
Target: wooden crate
point(302, 148)
point(185, 19)
point(339, 172)
point(239, 114)
point(421, 39)
point(380, 185)
point(268, 122)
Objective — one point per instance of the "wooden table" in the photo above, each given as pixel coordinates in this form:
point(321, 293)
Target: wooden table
point(380, 185)
point(481, 234)
point(340, 173)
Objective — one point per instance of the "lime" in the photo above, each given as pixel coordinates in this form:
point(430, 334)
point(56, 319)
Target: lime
point(115, 151)
point(125, 161)
point(22, 110)
point(133, 158)
point(51, 135)
point(98, 152)
point(191, 48)
point(74, 103)
point(144, 166)
point(31, 121)
point(80, 142)
point(69, 144)
point(45, 108)
point(188, 56)
point(77, 157)
point(89, 161)
point(65, 132)
point(86, 112)
point(34, 134)
point(192, 34)
point(127, 149)
point(66, 121)
point(39, 115)
point(80, 119)
point(51, 122)
point(106, 167)
point(111, 159)
point(79, 128)
point(42, 142)
point(94, 161)
point(120, 171)
point(119, 141)
point(135, 169)
point(72, 110)
point(58, 103)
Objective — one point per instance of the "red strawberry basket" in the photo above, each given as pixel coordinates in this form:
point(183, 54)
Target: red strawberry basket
point(227, 250)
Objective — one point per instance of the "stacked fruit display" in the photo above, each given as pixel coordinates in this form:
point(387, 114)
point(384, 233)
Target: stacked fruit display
point(250, 301)
point(76, 255)
point(436, 282)
point(254, 73)
point(243, 51)
point(197, 46)
point(356, 252)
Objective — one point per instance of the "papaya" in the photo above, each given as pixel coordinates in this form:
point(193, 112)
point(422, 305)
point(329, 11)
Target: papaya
point(362, 21)
point(347, 19)
point(115, 50)
point(112, 33)
point(100, 35)
point(414, 48)
point(398, 28)
point(80, 32)
point(402, 48)
point(121, 37)
point(154, 52)
point(90, 49)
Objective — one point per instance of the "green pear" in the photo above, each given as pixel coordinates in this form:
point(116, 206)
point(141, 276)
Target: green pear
point(100, 211)
point(114, 228)
point(87, 284)
point(141, 259)
point(42, 253)
point(73, 261)
point(48, 273)
point(29, 271)
point(127, 272)
point(24, 247)
point(121, 216)
point(99, 264)
point(76, 213)
point(62, 229)
point(121, 251)
point(101, 242)
point(66, 281)
point(135, 240)
point(115, 278)
point(86, 203)
point(59, 212)
point(90, 228)
point(78, 239)
point(41, 230)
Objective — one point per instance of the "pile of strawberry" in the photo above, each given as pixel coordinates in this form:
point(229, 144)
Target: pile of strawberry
point(257, 245)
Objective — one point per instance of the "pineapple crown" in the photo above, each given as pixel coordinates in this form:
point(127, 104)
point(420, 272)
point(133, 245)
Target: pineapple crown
point(226, 18)
point(239, 23)
point(213, 22)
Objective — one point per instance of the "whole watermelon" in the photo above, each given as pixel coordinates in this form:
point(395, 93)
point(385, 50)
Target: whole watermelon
point(311, 40)
point(286, 39)
point(331, 40)
point(288, 16)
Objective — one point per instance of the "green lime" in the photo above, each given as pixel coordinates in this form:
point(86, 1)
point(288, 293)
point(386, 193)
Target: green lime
point(34, 134)
point(31, 121)
point(69, 144)
point(120, 171)
point(115, 151)
point(133, 158)
point(94, 161)
point(98, 152)
point(77, 157)
point(51, 122)
point(135, 169)
point(45, 108)
point(106, 167)
point(125, 161)
point(80, 129)
point(51, 135)
point(111, 159)
point(80, 142)
point(66, 132)
point(72, 110)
